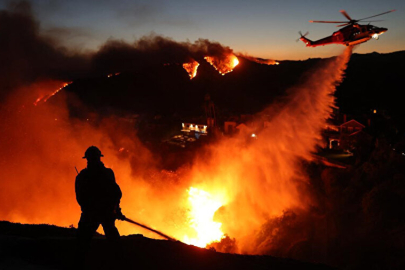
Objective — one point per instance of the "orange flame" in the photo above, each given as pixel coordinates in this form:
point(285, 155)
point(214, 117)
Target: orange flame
point(224, 65)
point(45, 98)
point(191, 68)
point(202, 209)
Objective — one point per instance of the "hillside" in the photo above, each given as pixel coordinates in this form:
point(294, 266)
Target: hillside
point(372, 81)
point(50, 247)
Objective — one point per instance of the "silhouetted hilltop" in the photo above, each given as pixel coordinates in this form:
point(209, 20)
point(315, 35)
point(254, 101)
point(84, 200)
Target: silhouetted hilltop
point(373, 81)
point(50, 247)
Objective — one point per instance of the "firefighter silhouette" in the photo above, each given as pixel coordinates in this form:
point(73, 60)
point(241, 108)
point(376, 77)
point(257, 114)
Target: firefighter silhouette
point(99, 197)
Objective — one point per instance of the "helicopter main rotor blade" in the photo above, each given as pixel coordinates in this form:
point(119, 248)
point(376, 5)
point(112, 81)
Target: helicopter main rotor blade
point(344, 13)
point(328, 21)
point(377, 15)
point(340, 25)
point(374, 21)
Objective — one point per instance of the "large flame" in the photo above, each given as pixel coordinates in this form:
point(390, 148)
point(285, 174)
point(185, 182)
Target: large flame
point(223, 64)
point(202, 210)
point(191, 68)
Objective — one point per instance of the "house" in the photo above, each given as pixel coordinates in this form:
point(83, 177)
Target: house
point(344, 136)
point(350, 127)
point(195, 129)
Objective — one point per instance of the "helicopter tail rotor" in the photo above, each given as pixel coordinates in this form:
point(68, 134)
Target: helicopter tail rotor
point(301, 35)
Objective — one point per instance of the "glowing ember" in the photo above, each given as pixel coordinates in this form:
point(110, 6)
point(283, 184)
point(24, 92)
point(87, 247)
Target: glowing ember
point(46, 97)
point(113, 74)
point(225, 65)
point(203, 207)
point(191, 68)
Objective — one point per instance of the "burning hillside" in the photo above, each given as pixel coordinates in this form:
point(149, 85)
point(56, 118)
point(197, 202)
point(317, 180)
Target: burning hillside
point(238, 194)
point(225, 65)
point(191, 68)
point(45, 97)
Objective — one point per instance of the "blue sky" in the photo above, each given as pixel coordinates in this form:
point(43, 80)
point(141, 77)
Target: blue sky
point(260, 28)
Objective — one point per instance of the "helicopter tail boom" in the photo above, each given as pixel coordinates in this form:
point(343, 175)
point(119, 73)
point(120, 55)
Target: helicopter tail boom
point(308, 42)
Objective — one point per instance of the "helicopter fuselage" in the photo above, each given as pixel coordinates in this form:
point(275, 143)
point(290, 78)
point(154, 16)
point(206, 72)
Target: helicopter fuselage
point(349, 35)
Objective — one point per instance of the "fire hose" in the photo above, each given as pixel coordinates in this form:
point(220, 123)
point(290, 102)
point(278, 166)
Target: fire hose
point(124, 218)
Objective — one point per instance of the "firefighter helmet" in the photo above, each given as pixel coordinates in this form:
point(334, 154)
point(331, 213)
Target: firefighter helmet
point(92, 151)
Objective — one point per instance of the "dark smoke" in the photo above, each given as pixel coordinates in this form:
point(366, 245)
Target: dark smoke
point(27, 56)
point(152, 51)
point(30, 55)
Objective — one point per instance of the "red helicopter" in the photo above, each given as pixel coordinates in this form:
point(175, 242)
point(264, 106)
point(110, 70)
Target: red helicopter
point(352, 34)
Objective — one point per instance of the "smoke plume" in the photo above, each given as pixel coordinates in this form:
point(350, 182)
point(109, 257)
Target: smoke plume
point(153, 51)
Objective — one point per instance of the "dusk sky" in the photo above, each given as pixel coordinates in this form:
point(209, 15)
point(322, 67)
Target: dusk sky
point(266, 29)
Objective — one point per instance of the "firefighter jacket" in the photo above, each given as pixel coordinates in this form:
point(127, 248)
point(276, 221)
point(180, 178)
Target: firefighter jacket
point(96, 190)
